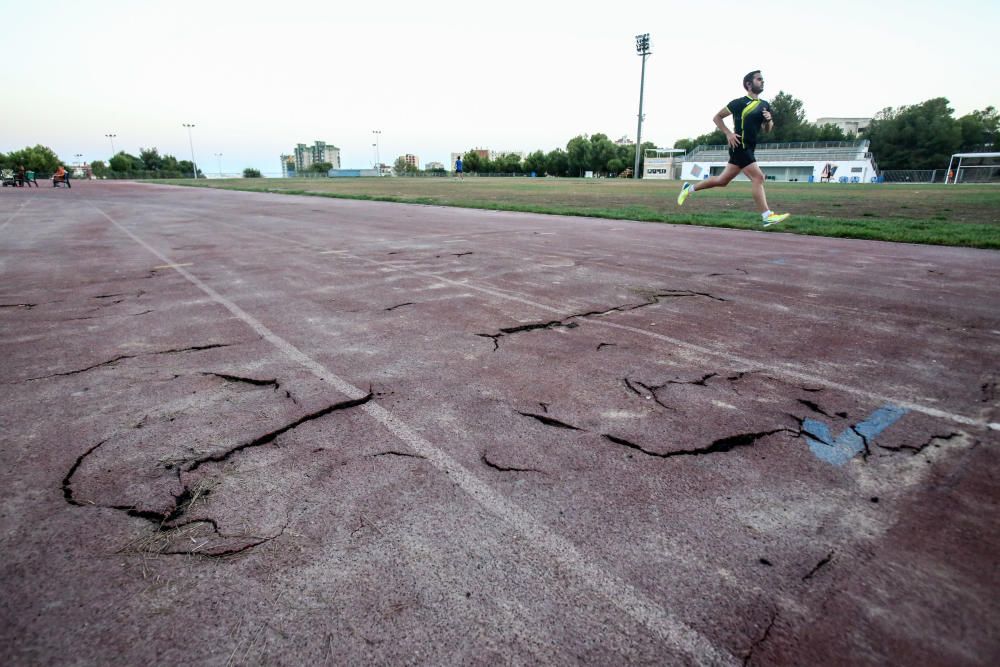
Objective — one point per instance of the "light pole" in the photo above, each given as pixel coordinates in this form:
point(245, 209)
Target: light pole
point(78, 156)
point(642, 49)
point(378, 162)
point(112, 138)
point(219, 158)
point(194, 166)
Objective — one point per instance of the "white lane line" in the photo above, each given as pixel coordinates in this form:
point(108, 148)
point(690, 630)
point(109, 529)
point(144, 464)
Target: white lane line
point(787, 370)
point(171, 266)
point(619, 593)
point(13, 215)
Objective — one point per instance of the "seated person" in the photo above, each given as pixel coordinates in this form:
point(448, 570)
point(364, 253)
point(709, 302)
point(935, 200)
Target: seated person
point(61, 176)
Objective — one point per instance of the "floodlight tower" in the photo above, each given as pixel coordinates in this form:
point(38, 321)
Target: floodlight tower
point(194, 166)
point(642, 49)
point(378, 162)
point(218, 156)
point(112, 138)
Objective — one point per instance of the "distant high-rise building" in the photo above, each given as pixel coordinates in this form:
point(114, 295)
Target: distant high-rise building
point(305, 156)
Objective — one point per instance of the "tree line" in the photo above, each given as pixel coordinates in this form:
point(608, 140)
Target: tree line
point(918, 136)
point(39, 159)
point(148, 164)
point(595, 153)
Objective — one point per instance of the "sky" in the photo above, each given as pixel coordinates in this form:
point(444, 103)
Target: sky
point(256, 78)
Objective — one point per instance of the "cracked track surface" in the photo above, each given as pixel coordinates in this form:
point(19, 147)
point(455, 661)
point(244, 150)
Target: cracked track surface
point(637, 391)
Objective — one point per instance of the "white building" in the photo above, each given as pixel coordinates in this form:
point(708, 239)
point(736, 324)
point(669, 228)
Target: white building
point(851, 126)
point(431, 166)
point(836, 161)
point(662, 163)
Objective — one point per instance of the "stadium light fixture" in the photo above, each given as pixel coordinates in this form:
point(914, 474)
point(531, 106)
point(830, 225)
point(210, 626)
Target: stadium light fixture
point(378, 162)
point(112, 138)
point(194, 166)
point(642, 49)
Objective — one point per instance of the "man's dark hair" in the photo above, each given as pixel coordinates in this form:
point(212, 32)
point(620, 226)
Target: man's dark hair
point(748, 79)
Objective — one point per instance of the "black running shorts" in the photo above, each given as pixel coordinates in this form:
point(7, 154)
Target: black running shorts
point(741, 157)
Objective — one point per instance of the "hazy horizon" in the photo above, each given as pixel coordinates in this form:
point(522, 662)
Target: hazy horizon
point(455, 76)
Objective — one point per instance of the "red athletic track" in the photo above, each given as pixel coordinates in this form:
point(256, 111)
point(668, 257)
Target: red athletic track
point(262, 429)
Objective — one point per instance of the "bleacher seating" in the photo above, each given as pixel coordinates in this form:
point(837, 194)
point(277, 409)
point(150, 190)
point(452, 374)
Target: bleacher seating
point(806, 152)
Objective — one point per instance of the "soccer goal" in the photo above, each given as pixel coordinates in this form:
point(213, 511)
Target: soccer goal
point(974, 168)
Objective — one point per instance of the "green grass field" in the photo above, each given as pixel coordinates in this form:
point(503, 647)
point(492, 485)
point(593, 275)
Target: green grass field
point(963, 215)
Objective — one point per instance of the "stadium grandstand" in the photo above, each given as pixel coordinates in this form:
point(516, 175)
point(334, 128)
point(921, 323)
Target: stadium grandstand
point(814, 161)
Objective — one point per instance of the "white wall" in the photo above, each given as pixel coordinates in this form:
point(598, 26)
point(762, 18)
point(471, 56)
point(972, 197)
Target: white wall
point(866, 171)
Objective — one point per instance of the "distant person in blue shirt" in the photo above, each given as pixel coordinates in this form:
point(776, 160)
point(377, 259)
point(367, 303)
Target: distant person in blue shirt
point(458, 167)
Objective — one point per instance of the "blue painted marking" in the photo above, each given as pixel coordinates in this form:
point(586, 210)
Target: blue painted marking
point(780, 260)
point(849, 443)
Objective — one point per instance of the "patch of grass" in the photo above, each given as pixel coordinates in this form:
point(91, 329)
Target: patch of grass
point(935, 214)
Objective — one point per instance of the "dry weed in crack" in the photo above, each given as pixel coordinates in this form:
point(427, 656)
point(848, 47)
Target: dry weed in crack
point(160, 542)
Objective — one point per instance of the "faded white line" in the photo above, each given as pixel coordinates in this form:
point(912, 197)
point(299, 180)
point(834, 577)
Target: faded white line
point(787, 370)
point(619, 593)
point(13, 215)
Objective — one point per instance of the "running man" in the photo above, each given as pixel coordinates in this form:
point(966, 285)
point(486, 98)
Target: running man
point(750, 115)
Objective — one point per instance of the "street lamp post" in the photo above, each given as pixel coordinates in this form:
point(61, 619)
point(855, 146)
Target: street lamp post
point(112, 138)
point(219, 158)
point(78, 156)
point(378, 161)
point(642, 49)
point(194, 165)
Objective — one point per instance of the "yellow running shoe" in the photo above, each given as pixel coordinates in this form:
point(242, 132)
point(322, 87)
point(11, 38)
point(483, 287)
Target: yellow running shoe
point(685, 191)
point(775, 218)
